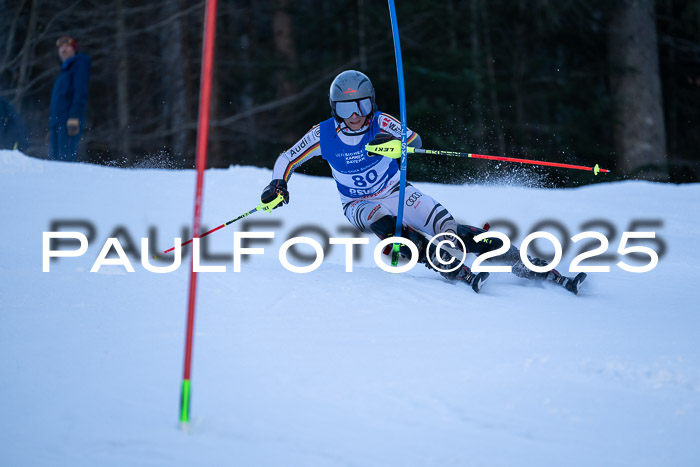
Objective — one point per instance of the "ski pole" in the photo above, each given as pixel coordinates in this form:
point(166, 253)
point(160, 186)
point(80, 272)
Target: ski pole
point(266, 207)
point(392, 149)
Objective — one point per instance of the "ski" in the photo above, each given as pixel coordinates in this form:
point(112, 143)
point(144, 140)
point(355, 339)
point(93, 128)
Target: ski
point(476, 281)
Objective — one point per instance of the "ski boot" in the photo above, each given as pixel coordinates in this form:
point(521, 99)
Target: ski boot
point(571, 284)
point(476, 281)
point(462, 274)
point(383, 228)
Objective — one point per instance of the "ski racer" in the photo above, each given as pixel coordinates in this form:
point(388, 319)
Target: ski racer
point(368, 184)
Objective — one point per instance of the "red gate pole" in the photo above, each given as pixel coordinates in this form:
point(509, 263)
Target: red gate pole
point(201, 163)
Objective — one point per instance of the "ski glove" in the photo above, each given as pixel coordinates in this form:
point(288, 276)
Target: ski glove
point(270, 192)
point(380, 138)
point(73, 126)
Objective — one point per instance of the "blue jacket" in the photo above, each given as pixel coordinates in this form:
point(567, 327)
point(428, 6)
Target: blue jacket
point(70, 91)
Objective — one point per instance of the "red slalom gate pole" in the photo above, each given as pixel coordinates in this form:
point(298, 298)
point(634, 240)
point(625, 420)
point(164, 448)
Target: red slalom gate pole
point(201, 163)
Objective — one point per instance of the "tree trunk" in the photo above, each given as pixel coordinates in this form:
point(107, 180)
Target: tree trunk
point(453, 25)
point(478, 132)
point(7, 36)
point(639, 131)
point(27, 56)
point(123, 141)
point(671, 99)
point(362, 34)
point(216, 149)
point(491, 74)
point(246, 99)
point(518, 75)
point(283, 32)
point(175, 82)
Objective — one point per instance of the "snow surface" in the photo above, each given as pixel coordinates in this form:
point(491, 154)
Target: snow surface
point(332, 368)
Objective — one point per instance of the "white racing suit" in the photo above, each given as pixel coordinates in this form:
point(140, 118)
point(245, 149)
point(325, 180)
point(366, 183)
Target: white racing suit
point(369, 190)
point(368, 186)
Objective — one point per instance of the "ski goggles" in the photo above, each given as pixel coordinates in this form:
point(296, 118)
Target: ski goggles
point(361, 107)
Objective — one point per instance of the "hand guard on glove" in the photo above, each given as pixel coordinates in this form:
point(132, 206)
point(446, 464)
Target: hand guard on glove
point(380, 138)
point(270, 192)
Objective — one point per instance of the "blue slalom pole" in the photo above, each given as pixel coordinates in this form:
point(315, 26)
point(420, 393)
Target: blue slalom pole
point(402, 106)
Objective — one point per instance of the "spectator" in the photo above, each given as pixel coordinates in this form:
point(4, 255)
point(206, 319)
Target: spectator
point(13, 132)
point(68, 101)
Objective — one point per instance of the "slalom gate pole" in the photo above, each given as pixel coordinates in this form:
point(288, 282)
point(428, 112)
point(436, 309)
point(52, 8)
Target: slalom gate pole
point(201, 163)
point(265, 207)
point(402, 105)
point(393, 150)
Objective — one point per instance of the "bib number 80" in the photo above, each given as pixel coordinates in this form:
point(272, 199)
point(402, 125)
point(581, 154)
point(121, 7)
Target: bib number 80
point(360, 181)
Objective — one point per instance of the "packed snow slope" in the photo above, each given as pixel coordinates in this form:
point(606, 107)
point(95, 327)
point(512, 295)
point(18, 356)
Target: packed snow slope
point(336, 368)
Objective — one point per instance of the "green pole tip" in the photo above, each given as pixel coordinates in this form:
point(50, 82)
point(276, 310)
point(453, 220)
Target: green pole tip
point(596, 169)
point(395, 254)
point(185, 402)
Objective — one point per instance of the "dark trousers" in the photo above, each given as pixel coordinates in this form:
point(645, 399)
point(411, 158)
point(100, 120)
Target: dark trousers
point(61, 146)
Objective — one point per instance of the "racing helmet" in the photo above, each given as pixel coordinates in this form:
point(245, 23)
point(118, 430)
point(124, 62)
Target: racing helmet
point(351, 92)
